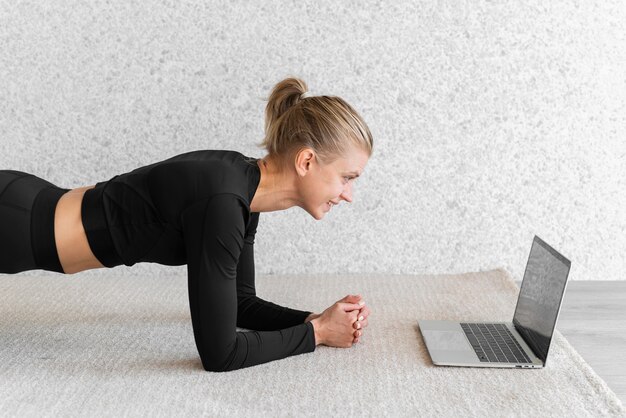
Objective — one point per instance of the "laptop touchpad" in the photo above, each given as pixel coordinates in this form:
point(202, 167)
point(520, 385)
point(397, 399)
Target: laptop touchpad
point(446, 340)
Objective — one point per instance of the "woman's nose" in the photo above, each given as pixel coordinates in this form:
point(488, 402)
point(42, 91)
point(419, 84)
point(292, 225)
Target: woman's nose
point(347, 195)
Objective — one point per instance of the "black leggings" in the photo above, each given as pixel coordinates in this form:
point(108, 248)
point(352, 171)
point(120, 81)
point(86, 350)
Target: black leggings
point(27, 205)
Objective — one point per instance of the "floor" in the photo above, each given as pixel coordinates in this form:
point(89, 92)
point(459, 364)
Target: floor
point(593, 319)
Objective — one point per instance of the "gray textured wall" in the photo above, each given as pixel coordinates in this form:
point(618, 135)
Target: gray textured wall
point(493, 121)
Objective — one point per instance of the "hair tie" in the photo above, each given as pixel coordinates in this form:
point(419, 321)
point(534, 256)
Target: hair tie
point(306, 94)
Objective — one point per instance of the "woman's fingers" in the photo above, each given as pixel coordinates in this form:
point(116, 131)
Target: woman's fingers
point(360, 323)
point(365, 311)
point(358, 331)
point(361, 319)
point(362, 316)
point(349, 306)
point(356, 306)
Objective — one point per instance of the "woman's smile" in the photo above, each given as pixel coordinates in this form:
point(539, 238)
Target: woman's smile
point(330, 204)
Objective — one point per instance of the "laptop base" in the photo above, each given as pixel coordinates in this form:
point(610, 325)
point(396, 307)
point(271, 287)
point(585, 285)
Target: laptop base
point(448, 345)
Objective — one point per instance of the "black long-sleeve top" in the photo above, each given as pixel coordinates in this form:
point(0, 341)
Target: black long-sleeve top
point(194, 209)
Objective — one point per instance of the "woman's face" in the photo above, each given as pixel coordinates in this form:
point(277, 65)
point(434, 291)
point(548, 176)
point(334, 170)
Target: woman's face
point(325, 186)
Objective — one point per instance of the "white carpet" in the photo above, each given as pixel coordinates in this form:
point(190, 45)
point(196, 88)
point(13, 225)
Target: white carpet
point(88, 346)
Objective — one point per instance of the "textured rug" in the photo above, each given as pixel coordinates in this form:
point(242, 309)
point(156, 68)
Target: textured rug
point(92, 346)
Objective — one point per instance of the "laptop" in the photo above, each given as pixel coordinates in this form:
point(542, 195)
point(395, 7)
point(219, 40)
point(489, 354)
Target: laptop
point(523, 343)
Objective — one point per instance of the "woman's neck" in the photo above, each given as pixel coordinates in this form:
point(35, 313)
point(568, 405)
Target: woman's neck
point(277, 189)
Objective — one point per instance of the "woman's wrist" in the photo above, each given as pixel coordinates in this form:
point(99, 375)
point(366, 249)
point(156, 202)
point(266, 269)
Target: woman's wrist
point(317, 328)
point(312, 316)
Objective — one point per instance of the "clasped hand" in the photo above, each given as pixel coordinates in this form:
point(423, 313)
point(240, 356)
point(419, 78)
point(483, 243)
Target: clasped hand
point(361, 315)
point(344, 321)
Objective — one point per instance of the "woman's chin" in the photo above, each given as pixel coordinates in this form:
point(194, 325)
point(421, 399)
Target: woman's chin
point(321, 213)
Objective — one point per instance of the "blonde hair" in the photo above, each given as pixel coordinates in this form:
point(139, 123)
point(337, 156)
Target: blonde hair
point(326, 124)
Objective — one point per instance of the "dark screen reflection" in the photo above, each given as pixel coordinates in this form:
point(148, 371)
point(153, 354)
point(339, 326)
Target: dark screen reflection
point(540, 296)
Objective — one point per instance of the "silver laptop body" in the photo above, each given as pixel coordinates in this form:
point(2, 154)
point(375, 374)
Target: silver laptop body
point(464, 343)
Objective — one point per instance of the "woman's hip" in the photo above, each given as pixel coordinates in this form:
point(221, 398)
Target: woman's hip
point(27, 205)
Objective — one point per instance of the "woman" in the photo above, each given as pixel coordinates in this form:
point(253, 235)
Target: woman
point(201, 208)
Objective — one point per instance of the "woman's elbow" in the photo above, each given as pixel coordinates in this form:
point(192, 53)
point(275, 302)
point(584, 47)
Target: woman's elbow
point(212, 364)
point(212, 368)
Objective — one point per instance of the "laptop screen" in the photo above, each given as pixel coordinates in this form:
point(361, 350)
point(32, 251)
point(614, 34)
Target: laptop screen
point(540, 296)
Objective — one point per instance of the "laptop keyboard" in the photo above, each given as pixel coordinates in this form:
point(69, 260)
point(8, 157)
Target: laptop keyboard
point(494, 343)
